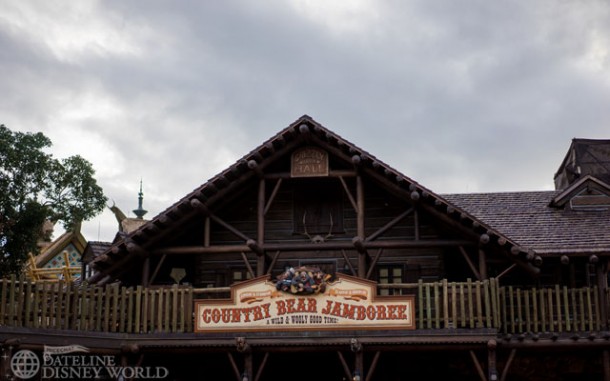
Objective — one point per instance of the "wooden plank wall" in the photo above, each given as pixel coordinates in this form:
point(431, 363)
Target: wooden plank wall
point(380, 208)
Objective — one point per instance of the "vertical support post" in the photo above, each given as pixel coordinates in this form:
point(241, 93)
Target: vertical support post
point(248, 368)
point(492, 372)
point(359, 363)
point(602, 284)
point(482, 264)
point(5, 361)
point(356, 348)
point(416, 223)
point(260, 262)
point(206, 232)
point(606, 364)
point(360, 224)
point(146, 272)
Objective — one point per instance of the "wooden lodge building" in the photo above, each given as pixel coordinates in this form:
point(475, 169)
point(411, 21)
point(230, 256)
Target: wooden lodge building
point(310, 258)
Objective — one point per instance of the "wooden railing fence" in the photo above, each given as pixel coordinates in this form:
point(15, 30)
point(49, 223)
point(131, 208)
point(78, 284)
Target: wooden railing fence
point(486, 304)
point(440, 305)
point(169, 309)
point(551, 309)
point(66, 305)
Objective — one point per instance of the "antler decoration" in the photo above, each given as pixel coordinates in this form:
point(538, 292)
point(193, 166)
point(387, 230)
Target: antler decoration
point(318, 238)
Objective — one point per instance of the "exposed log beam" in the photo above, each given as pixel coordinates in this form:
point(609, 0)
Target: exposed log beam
point(248, 365)
point(212, 194)
point(134, 248)
point(371, 371)
point(331, 173)
point(261, 367)
point(348, 262)
point(146, 272)
point(389, 225)
point(260, 262)
point(157, 268)
point(360, 204)
point(492, 372)
point(443, 217)
point(255, 247)
point(245, 258)
point(359, 362)
point(602, 284)
point(416, 224)
point(362, 256)
point(348, 372)
point(102, 275)
point(206, 232)
point(331, 245)
point(506, 271)
point(469, 262)
point(606, 362)
point(234, 366)
point(359, 245)
point(261, 212)
point(204, 209)
point(374, 263)
point(253, 165)
point(482, 264)
point(276, 188)
point(478, 366)
point(275, 257)
point(509, 362)
point(349, 194)
point(430, 209)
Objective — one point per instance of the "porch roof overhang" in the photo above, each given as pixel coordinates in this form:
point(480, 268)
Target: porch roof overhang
point(103, 342)
point(444, 339)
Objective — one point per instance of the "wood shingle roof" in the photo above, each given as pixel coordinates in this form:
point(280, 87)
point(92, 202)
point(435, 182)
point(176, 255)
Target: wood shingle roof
point(529, 220)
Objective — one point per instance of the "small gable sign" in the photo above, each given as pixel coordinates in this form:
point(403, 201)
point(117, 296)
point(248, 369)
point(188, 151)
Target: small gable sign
point(309, 162)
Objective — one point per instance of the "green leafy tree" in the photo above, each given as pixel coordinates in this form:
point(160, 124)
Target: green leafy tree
point(35, 187)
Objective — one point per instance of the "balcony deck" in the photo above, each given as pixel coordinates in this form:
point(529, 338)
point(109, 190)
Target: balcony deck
point(445, 306)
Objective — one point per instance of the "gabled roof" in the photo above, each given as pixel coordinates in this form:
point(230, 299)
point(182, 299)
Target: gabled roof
point(530, 221)
point(303, 131)
point(586, 184)
point(94, 249)
point(57, 246)
point(584, 157)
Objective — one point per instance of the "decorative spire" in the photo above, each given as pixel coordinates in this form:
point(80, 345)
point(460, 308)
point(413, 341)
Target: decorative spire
point(140, 212)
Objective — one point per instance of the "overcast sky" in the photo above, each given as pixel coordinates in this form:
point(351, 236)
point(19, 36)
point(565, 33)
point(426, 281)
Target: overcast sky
point(461, 96)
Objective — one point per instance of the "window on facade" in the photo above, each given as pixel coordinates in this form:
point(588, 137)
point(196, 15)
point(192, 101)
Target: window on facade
point(388, 274)
point(590, 199)
point(239, 274)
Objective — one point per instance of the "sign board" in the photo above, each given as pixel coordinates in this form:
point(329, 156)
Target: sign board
point(263, 305)
point(309, 162)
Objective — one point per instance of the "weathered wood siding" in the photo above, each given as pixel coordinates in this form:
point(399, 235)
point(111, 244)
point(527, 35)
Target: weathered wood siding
point(282, 226)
